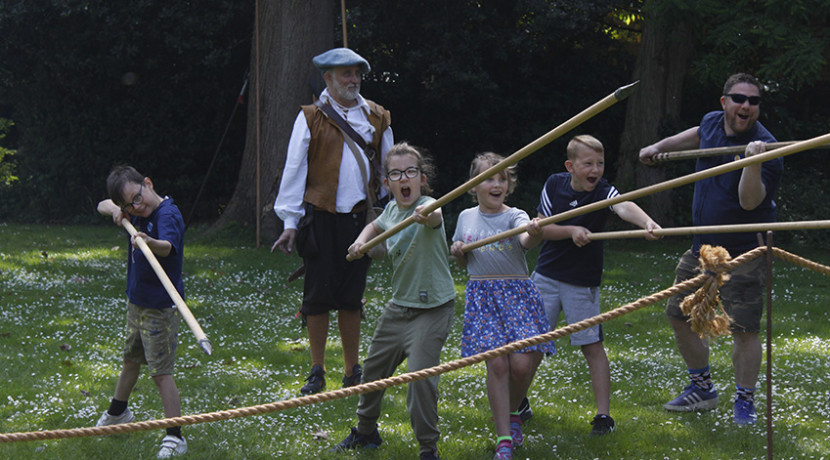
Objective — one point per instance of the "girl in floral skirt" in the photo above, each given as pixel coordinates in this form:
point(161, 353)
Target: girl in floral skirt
point(502, 303)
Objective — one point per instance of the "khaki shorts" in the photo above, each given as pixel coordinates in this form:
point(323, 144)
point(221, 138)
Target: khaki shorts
point(742, 295)
point(152, 336)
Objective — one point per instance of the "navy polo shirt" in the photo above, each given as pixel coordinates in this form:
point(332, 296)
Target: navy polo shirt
point(716, 199)
point(562, 260)
point(143, 285)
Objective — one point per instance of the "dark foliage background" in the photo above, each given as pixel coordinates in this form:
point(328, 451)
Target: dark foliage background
point(89, 84)
point(493, 76)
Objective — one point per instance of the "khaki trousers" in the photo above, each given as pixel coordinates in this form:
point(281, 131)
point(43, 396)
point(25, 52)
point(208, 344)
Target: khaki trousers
point(416, 335)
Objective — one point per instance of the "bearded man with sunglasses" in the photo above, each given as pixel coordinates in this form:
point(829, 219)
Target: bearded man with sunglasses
point(736, 197)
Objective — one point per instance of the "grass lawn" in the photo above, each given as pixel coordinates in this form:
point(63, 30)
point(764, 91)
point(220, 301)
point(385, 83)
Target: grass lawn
point(62, 310)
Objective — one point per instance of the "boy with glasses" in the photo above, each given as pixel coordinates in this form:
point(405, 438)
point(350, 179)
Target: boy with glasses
point(152, 320)
point(737, 197)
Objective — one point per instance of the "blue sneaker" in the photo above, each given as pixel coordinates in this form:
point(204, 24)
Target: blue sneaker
point(693, 399)
point(744, 412)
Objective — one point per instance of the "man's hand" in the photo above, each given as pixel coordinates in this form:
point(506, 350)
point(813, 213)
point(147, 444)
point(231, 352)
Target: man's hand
point(286, 241)
point(647, 154)
point(754, 148)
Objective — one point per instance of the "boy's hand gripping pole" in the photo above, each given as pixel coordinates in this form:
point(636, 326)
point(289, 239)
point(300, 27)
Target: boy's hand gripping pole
point(618, 95)
point(201, 338)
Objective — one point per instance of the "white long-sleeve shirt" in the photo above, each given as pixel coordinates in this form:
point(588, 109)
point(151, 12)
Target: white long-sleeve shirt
point(350, 188)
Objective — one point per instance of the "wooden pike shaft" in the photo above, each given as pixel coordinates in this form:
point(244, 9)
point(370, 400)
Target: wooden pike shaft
point(618, 95)
point(201, 338)
point(708, 229)
point(662, 186)
point(713, 152)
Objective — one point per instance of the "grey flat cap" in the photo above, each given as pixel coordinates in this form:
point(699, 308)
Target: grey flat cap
point(340, 57)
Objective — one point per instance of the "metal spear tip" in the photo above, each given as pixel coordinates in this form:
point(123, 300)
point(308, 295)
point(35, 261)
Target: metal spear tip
point(205, 345)
point(624, 91)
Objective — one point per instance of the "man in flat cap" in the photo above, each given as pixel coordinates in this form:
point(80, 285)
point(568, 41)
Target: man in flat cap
point(327, 183)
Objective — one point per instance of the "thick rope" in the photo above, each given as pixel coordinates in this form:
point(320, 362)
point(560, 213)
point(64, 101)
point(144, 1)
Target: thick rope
point(385, 383)
point(798, 260)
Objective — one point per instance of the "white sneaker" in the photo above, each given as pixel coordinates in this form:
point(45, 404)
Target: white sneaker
point(107, 419)
point(172, 446)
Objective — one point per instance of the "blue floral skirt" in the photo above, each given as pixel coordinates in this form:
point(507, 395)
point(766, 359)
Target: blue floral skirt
point(501, 311)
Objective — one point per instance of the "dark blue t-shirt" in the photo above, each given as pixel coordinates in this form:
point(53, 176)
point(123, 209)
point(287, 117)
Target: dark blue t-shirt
point(716, 199)
point(143, 285)
point(562, 260)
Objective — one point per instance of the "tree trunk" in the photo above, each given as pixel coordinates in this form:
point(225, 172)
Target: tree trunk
point(662, 64)
point(291, 32)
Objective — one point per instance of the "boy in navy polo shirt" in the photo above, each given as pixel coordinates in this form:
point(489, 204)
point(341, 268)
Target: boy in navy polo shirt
point(152, 320)
point(569, 269)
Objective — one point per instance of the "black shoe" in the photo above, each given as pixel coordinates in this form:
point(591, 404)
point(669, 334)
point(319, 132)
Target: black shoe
point(603, 424)
point(316, 381)
point(525, 412)
point(355, 440)
point(354, 379)
point(429, 455)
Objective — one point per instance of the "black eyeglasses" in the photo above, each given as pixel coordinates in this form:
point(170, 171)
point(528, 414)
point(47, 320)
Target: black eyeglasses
point(396, 174)
point(137, 199)
point(741, 98)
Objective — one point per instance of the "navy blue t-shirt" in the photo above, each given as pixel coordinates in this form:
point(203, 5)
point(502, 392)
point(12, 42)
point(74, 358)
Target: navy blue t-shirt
point(716, 200)
point(143, 285)
point(562, 260)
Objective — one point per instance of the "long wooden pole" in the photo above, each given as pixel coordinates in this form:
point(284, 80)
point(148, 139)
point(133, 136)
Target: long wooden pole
point(343, 16)
point(258, 203)
point(713, 152)
point(709, 229)
point(662, 186)
point(769, 345)
point(201, 338)
point(618, 95)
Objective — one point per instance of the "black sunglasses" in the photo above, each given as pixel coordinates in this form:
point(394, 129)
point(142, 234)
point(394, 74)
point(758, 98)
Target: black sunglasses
point(741, 98)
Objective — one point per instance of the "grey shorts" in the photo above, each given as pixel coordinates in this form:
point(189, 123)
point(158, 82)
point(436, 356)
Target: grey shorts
point(742, 295)
point(152, 336)
point(577, 302)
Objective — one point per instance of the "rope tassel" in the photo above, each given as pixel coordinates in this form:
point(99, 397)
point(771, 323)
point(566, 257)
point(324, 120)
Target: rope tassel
point(702, 306)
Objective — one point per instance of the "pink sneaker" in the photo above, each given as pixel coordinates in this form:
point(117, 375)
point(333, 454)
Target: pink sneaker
point(516, 430)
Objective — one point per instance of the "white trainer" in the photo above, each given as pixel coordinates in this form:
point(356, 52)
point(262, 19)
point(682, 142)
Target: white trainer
point(107, 419)
point(172, 446)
